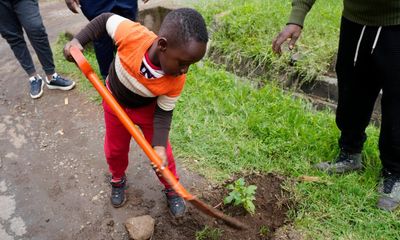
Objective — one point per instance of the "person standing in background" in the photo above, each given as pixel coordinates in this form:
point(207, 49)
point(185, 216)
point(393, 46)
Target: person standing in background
point(368, 62)
point(24, 15)
point(104, 47)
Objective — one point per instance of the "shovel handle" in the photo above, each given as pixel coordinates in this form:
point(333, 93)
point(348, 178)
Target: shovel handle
point(87, 70)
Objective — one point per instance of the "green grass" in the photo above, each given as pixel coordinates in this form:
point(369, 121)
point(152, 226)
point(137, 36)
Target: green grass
point(223, 126)
point(209, 233)
point(244, 30)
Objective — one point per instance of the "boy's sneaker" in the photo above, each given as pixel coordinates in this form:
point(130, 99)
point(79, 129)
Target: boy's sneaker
point(118, 198)
point(389, 190)
point(345, 162)
point(58, 82)
point(176, 203)
point(36, 84)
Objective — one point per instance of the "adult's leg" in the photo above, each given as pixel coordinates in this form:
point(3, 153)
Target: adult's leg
point(104, 47)
point(11, 30)
point(386, 58)
point(358, 85)
point(28, 14)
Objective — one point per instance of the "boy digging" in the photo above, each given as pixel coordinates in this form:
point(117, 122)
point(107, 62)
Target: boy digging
point(146, 77)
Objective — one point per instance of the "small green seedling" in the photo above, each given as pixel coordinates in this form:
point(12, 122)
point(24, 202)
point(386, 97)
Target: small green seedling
point(209, 233)
point(242, 195)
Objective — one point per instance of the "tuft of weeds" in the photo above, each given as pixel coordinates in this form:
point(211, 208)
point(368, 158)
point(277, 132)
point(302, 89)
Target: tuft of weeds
point(264, 231)
point(209, 233)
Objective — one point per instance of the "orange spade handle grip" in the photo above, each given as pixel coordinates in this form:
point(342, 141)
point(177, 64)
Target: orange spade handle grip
point(87, 70)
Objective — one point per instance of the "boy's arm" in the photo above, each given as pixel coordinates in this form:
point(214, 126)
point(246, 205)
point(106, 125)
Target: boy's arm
point(292, 31)
point(94, 30)
point(163, 117)
point(162, 125)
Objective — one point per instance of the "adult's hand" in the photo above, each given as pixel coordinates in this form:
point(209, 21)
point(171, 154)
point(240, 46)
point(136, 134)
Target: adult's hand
point(292, 32)
point(73, 43)
point(73, 5)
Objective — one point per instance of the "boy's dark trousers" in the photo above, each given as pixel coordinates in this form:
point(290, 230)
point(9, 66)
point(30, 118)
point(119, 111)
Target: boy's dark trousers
point(104, 46)
point(361, 81)
point(16, 15)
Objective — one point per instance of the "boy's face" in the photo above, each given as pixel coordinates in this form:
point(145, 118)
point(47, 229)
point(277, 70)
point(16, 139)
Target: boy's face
point(176, 60)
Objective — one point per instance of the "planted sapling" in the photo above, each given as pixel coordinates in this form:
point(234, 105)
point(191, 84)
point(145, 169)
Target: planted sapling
point(242, 195)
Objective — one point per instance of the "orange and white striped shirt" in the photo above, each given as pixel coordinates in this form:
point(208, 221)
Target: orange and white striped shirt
point(133, 40)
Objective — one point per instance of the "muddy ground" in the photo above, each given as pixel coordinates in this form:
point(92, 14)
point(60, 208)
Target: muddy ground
point(53, 175)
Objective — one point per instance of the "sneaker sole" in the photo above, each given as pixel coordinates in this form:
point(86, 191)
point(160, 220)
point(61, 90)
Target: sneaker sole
point(38, 95)
point(61, 88)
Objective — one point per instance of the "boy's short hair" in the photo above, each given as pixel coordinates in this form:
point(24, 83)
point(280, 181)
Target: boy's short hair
point(182, 25)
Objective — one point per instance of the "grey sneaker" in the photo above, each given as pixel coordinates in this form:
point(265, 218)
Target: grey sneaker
point(58, 82)
point(389, 190)
point(344, 163)
point(176, 203)
point(36, 87)
point(118, 190)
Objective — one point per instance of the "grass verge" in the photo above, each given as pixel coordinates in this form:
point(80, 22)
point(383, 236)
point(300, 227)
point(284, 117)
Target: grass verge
point(243, 30)
point(223, 126)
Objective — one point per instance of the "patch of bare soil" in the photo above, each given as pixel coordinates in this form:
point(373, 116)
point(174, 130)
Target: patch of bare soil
point(272, 204)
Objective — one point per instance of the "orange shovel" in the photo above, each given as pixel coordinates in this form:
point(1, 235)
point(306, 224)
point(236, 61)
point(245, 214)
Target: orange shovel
point(87, 70)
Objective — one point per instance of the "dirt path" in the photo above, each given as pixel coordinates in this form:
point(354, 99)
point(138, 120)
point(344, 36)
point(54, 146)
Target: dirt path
point(53, 175)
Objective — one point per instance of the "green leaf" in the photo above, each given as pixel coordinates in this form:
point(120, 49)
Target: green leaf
point(228, 199)
point(249, 206)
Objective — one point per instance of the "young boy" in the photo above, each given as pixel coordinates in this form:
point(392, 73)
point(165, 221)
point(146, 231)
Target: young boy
point(146, 77)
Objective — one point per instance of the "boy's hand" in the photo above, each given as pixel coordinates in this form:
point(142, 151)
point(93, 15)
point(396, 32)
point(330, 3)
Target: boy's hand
point(73, 5)
point(73, 43)
point(292, 32)
point(162, 153)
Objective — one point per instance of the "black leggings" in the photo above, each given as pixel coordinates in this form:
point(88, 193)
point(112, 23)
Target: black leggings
point(361, 81)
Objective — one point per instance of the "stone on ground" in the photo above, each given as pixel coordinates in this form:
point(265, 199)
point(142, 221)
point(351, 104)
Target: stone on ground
point(140, 228)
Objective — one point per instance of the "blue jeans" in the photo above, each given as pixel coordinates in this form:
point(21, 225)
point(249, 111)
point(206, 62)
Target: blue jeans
point(16, 16)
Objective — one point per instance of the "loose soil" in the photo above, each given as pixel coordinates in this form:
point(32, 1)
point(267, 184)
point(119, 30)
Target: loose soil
point(272, 204)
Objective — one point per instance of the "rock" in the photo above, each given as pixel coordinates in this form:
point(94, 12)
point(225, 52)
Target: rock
point(140, 228)
point(110, 223)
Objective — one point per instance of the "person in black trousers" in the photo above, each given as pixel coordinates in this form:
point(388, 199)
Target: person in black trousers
point(17, 16)
point(104, 47)
point(368, 62)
